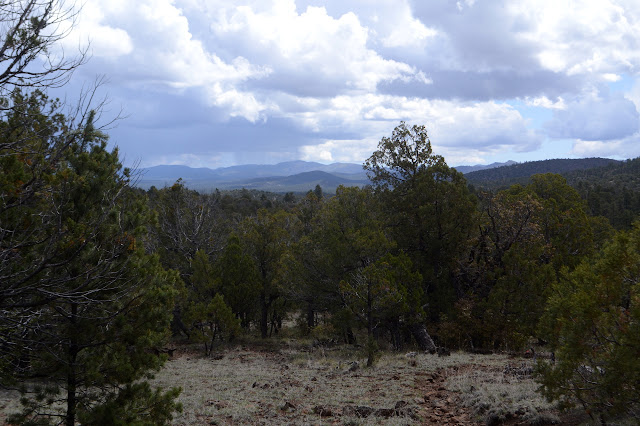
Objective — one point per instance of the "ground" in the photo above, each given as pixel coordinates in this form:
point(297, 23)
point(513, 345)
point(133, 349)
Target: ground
point(290, 383)
point(281, 381)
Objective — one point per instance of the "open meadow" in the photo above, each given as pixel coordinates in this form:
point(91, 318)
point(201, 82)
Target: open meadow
point(290, 383)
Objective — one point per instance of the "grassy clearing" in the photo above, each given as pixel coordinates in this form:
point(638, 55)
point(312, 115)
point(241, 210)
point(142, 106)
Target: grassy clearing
point(288, 385)
point(283, 381)
point(293, 384)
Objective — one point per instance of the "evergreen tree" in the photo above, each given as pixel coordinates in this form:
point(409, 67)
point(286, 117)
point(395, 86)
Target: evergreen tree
point(593, 324)
point(236, 278)
point(204, 309)
point(359, 266)
point(430, 210)
point(81, 302)
point(268, 237)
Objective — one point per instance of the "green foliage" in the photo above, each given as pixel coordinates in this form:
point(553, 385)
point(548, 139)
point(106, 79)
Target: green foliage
point(268, 237)
point(612, 191)
point(593, 323)
point(82, 303)
point(526, 236)
point(186, 222)
point(379, 294)
point(137, 404)
point(428, 208)
point(211, 320)
point(380, 291)
point(563, 219)
point(610, 188)
point(204, 309)
point(506, 176)
point(504, 277)
point(237, 280)
point(318, 192)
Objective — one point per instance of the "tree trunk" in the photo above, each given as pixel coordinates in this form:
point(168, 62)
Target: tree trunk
point(396, 335)
point(419, 332)
point(70, 419)
point(311, 317)
point(264, 317)
point(370, 340)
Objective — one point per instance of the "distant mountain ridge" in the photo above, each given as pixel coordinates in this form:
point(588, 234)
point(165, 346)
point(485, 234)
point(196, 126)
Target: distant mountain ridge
point(610, 188)
point(475, 168)
point(301, 176)
point(290, 176)
point(248, 171)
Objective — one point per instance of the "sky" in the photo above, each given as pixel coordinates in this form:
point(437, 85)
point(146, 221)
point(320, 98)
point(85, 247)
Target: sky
point(215, 83)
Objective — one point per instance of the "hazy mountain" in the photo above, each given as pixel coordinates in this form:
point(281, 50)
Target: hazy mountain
point(300, 182)
point(301, 176)
point(469, 169)
point(296, 176)
point(248, 171)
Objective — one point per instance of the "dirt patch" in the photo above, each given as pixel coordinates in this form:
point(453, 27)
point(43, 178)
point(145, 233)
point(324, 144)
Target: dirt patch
point(441, 406)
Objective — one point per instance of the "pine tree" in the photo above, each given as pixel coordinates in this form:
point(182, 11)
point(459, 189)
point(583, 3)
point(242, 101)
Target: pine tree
point(593, 324)
point(81, 302)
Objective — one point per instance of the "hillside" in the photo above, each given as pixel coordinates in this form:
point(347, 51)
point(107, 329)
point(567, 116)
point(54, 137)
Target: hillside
point(505, 176)
point(610, 188)
point(612, 191)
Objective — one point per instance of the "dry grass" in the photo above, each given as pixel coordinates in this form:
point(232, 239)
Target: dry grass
point(287, 382)
point(9, 403)
point(289, 385)
point(292, 385)
point(503, 392)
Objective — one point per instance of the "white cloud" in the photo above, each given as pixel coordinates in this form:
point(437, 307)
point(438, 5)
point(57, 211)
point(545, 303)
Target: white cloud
point(622, 149)
point(105, 41)
point(345, 73)
point(313, 43)
point(583, 37)
point(163, 54)
point(464, 130)
point(399, 28)
point(544, 102)
point(345, 151)
point(595, 117)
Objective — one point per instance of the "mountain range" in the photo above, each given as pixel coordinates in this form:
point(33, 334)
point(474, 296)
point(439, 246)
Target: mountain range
point(302, 176)
point(291, 176)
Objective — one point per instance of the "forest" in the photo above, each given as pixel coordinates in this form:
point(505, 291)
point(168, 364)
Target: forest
point(99, 279)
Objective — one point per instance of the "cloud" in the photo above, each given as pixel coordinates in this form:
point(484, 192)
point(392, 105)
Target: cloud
point(163, 55)
point(579, 37)
point(482, 86)
point(104, 40)
point(584, 37)
point(284, 79)
point(454, 128)
point(545, 102)
point(596, 117)
point(345, 151)
point(625, 148)
point(309, 48)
